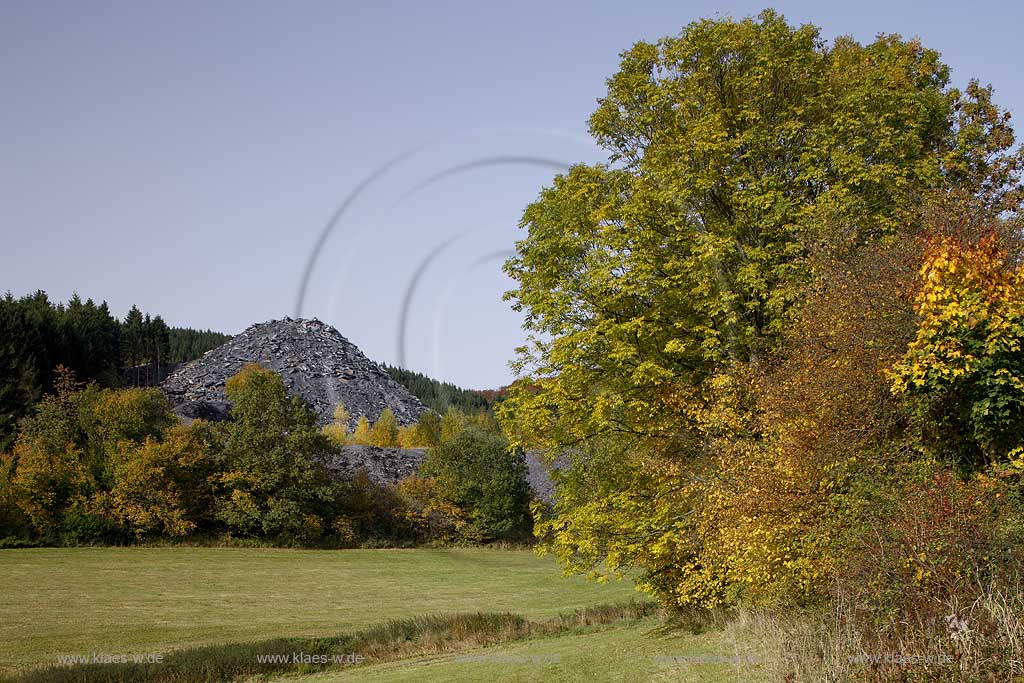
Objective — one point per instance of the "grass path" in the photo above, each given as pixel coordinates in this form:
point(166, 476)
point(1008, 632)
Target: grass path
point(628, 652)
point(141, 600)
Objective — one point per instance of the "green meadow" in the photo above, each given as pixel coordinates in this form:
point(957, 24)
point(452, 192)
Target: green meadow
point(114, 601)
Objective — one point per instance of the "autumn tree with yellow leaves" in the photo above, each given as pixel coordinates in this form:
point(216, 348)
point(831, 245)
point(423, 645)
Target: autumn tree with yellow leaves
point(714, 310)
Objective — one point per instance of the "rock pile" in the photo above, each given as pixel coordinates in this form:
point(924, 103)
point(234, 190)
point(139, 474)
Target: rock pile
point(392, 465)
point(538, 475)
point(382, 465)
point(316, 363)
point(323, 368)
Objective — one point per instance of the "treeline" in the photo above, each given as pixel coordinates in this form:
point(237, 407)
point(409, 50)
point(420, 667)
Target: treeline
point(37, 335)
point(436, 395)
point(101, 465)
point(188, 344)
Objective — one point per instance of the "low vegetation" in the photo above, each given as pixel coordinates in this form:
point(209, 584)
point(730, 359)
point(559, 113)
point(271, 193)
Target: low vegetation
point(95, 465)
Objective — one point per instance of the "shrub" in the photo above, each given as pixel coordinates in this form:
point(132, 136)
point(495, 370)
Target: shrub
point(134, 415)
point(478, 472)
point(965, 369)
point(79, 527)
point(161, 488)
point(384, 433)
point(439, 520)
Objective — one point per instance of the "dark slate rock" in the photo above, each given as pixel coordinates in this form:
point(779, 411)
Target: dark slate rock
point(204, 410)
point(538, 475)
point(316, 363)
point(392, 465)
point(382, 465)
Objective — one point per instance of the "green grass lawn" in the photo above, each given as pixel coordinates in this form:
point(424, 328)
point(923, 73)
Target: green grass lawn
point(620, 652)
point(116, 601)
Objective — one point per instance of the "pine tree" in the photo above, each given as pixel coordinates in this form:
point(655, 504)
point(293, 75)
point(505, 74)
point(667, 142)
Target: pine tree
point(134, 337)
point(438, 396)
point(161, 343)
point(187, 344)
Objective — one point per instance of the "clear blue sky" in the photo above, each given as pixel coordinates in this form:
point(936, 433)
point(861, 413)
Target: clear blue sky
point(185, 156)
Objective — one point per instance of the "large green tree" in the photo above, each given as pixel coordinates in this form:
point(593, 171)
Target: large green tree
point(742, 156)
point(273, 483)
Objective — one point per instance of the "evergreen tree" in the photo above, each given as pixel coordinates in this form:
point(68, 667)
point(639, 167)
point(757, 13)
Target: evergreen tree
point(89, 339)
point(20, 376)
point(159, 343)
point(436, 395)
point(134, 332)
point(186, 344)
point(36, 336)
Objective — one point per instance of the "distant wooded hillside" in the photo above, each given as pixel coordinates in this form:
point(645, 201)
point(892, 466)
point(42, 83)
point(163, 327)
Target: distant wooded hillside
point(437, 395)
point(187, 344)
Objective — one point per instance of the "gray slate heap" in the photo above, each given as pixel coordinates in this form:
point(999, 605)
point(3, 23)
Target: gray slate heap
point(316, 363)
point(322, 367)
point(382, 465)
point(392, 465)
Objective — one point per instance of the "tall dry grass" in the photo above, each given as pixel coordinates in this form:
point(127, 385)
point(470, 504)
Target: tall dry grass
point(981, 640)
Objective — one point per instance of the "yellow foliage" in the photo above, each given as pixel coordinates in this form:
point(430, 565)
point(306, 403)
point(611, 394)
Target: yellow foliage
point(337, 431)
point(966, 357)
point(46, 483)
point(362, 435)
point(385, 431)
point(159, 486)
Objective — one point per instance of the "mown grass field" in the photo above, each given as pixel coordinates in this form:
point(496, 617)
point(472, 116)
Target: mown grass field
point(81, 601)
